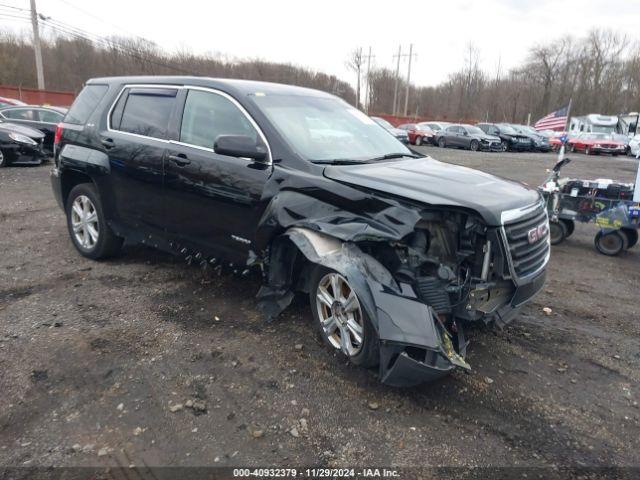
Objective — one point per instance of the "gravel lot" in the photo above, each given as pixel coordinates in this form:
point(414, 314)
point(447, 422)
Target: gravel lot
point(144, 360)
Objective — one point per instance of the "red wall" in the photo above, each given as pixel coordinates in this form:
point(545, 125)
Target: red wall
point(33, 96)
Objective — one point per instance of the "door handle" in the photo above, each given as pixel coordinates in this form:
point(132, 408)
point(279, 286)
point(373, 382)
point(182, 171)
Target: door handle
point(107, 143)
point(180, 159)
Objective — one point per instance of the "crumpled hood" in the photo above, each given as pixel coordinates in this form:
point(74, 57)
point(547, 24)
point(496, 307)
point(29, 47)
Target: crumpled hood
point(436, 183)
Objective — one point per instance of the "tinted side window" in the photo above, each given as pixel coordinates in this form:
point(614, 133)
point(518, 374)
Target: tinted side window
point(208, 115)
point(50, 116)
point(85, 104)
point(147, 112)
point(20, 114)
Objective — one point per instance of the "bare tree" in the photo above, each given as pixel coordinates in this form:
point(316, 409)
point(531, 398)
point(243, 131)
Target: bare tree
point(355, 62)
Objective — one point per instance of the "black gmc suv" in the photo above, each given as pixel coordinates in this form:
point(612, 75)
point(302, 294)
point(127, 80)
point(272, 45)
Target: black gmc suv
point(397, 252)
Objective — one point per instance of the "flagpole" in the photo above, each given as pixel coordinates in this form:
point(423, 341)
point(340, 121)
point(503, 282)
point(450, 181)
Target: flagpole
point(566, 130)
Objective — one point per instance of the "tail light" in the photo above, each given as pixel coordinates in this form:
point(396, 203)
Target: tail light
point(58, 135)
point(57, 138)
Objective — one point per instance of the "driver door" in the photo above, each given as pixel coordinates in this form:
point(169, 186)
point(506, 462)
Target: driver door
point(212, 201)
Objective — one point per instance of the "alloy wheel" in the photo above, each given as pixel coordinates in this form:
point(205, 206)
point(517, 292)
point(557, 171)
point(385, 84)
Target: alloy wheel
point(84, 221)
point(418, 141)
point(340, 314)
point(2, 160)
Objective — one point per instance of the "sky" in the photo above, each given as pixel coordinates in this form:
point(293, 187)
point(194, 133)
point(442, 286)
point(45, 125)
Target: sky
point(320, 34)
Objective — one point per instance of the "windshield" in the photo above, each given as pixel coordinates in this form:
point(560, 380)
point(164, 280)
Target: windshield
point(474, 130)
point(507, 129)
point(595, 136)
point(382, 122)
point(323, 129)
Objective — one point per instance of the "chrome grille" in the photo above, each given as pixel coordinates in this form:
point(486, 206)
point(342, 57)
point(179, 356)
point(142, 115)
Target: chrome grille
point(528, 257)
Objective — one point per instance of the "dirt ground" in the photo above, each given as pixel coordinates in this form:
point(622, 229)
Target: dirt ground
point(143, 360)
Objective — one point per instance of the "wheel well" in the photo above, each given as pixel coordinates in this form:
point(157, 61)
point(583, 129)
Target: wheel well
point(70, 179)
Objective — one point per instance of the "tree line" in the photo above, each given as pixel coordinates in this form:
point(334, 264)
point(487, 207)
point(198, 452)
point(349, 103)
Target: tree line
point(600, 73)
point(70, 61)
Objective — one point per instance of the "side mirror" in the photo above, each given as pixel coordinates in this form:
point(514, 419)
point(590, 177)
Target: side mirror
point(241, 146)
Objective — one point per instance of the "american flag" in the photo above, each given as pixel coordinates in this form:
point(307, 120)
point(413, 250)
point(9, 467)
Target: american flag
point(554, 121)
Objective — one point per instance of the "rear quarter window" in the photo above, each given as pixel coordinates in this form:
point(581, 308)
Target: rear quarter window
point(85, 104)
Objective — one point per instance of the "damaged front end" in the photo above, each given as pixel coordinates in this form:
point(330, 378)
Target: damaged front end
point(420, 288)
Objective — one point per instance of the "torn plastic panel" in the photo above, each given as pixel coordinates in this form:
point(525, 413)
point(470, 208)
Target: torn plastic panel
point(414, 345)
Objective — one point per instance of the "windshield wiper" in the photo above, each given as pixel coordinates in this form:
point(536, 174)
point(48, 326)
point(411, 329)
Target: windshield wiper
point(339, 161)
point(390, 156)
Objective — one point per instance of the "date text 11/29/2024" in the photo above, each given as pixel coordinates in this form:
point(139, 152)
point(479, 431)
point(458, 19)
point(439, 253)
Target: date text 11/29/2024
point(316, 472)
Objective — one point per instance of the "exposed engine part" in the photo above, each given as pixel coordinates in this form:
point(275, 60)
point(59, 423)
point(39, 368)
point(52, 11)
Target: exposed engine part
point(432, 291)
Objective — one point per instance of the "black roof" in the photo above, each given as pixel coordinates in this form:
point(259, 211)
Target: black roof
point(240, 87)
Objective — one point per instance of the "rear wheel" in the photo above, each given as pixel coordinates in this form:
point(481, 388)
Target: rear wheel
point(442, 143)
point(418, 141)
point(339, 318)
point(88, 228)
point(570, 225)
point(557, 232)
point(504, 146)
point(474, 145)
point(611, 243)
point(632, 236)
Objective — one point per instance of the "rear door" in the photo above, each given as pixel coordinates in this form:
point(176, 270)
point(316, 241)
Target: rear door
point(136, 142)
point(212, 201)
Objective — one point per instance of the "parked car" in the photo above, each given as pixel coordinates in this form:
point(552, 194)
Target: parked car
point(634, 146)
point(396, 251)
point(596, 143)
point(6, 102)
point(622, 138)
point(467, 136)
point(540, 141)
point(20, 145)
point(400, 134)
point(436, 127)
point(510, 139)
point(418, 133)
point(44, 119)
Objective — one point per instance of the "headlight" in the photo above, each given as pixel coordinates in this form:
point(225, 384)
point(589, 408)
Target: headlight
point(597, 145)
point(16, 137)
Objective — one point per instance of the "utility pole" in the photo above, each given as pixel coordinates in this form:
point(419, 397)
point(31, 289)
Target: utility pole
point(406, 95)
point(37, 48)
point(367, 98)
point(395, 90)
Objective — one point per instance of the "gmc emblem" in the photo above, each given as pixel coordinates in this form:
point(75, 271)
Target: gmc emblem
point(537, 233)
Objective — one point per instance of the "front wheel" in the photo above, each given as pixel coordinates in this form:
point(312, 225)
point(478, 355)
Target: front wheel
point(442, 143)
point(504, 146)
point(570, 224)
point(418, 141)
point(340, 319)
point(474, 145)
point(88, 228)
point(3, 160)
point(587, 151)
point(611, 243)
point(557, 232)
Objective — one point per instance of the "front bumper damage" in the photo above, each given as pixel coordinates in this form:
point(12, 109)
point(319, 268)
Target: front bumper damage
point(415, 347)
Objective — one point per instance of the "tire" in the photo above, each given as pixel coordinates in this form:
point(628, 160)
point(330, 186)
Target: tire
point(632, 236)
point(557, 232)
point(442, 143)
point(418, 141)
point(4, 161)
point(474, 145)
point(571, 226)
point(610, 244)
point(347, 317)
point(587, 150)
point(504, 146)
point(88, 228)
